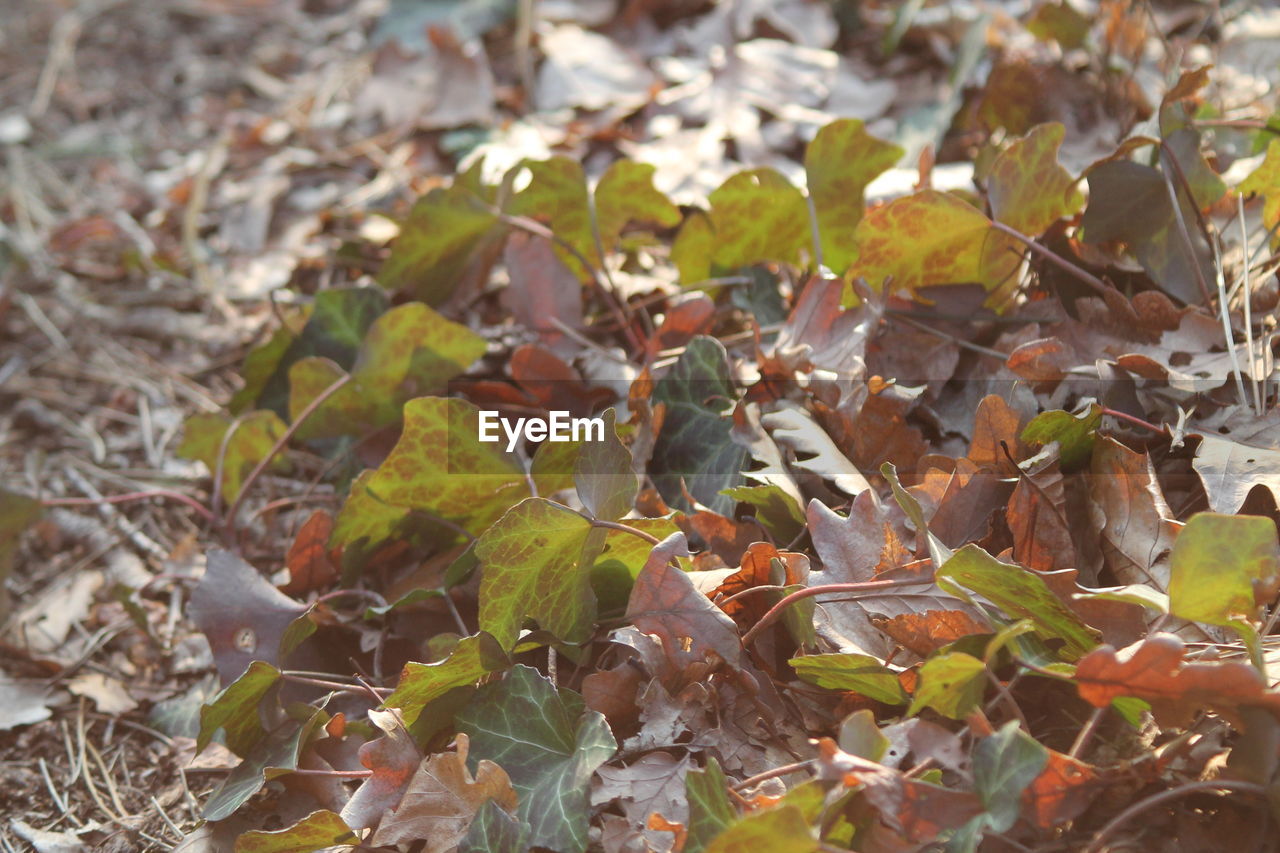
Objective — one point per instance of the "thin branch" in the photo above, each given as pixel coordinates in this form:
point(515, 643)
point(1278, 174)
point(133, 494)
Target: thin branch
point(316, 402)
point(191, 502)
point(775, 613)
point(1098, 844)
point(336, 686)
point(772, 773)
point(1086, 733)
point(1057, 260)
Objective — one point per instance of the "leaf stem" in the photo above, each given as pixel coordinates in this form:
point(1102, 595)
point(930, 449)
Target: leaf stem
point(774, 613)
point(340, 774)
point(1098, 844)
point(771, 773)
point(625, 528)
point(1133, 419)
point(1055, 259)
point(191, 502)
point(230, 521)
point(335, 685)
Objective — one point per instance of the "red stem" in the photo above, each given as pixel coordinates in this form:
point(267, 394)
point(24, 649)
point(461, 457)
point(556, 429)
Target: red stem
point(1136, 421)
point(191, 502)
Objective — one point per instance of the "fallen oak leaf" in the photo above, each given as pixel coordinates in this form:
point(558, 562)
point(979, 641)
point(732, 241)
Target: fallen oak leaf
point(1154, 670)
point(443, 798)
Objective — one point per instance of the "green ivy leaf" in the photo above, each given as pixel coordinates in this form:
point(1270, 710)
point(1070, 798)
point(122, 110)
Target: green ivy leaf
point(319, 830)
point(536, 565)
point(235, 710)
point(775, 509)
point(847, 671)
point(1075, 434)
point(625, 195)
point(549, 743)
point(440, 466)
point(409, 351)
point(1216, 563)
point(860, 736)
point(450, 235)
point(1004, 765)
point(778, 830)
point(255, 435)
point(1021, 594)
point(696, 442)
point(952, 684)
point(1028, 189)
point(494, 829)
point(603, 476)
point(839, 164)
point(336, 323)
point(423, 683)
point(275, 756)
point(710, 811)
point(693, 247)
point(757, 215)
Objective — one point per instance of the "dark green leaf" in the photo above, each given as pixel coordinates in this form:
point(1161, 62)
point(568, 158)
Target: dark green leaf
point(1004, 765)
point(549, 744)
point(494, 830)
point(235, 710)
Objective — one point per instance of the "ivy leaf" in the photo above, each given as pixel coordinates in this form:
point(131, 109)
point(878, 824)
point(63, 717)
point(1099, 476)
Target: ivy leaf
point(777, 830)
point(1019, 593)
point(1265, 181)
point(536, 565)
point(1075, 434)
point(693, 248)
point(364, 523)
point(319, 830)
point(847, 671)
point(495, 829)
point(235, 710)
point(449, 236)
point(603, 475)
point(255, 435)
point(775, 508)
point(274, 756)
point(758, 215)
point(1221, 565)
point(422, 683)
point(1028, 189)
point(549, 744)
point(335, 325)
point(839, 164)
point(923, 239)
point(1004, 765)
point(408, 351)
point(710, 811)
point(440, 466)
point(952, 684)
point(625, 194)
point(696, 443)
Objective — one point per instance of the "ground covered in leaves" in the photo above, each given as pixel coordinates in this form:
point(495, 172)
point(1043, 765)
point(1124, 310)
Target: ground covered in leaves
point(922, 419)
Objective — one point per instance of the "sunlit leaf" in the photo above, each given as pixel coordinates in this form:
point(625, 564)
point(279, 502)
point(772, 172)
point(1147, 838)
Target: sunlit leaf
point(952, 684)
point(847, 671)
point(757, 215)
point(1029, 190)
point(778, 830)
point(603, 475)
point(1021, 594)
point(536, 565)
point(1219, 565)
point(235, 710)
point(422, 683)
point(923, 239)
point(317, 831)
point(839, 163)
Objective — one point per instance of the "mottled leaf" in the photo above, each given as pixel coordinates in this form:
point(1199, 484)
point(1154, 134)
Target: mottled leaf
point(317, 831)
point(1028, 189)
point(255, 434)
point(536, 564)
point(839, 163)
point(757, 215)
point(1221, 566)
point(923, 239)
point(440, 466)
